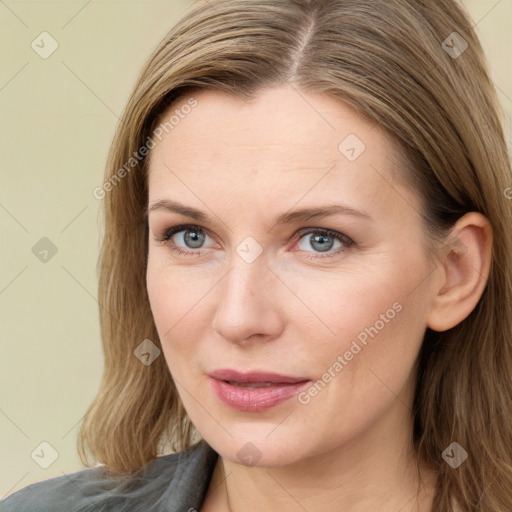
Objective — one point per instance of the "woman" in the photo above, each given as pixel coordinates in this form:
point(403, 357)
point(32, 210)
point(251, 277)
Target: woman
point(307, 222)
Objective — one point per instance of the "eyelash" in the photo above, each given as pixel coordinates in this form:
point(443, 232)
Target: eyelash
point(166, 235)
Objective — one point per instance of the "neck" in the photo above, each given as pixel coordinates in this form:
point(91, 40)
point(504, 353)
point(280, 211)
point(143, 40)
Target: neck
point(358, 491)
point(372, 472)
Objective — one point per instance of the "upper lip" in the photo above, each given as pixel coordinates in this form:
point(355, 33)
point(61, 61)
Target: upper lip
point(255, 376)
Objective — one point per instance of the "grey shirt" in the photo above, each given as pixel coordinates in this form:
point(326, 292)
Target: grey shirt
point(171, 483)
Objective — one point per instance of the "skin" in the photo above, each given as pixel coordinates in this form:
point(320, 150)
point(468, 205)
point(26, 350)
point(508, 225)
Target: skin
point(243, 164)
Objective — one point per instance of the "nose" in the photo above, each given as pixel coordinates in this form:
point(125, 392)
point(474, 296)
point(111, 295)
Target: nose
point(248, 309)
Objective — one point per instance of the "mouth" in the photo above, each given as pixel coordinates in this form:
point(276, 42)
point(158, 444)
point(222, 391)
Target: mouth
point(255, 391)
point(255, 377)
point(249, 384)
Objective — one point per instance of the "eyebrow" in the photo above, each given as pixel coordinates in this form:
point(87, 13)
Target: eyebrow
point(289, 217)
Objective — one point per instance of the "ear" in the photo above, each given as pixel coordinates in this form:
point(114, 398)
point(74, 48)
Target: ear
point(465, 261)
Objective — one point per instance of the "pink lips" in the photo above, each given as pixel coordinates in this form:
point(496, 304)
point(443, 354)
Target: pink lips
point(255, 391)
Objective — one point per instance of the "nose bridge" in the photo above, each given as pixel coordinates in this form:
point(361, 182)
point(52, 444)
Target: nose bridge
point(240, 282)
point(246, 304)
point(244, 284)
point(248, 263)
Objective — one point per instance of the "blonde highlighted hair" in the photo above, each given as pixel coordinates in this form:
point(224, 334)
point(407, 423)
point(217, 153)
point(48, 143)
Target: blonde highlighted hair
point(399, 63)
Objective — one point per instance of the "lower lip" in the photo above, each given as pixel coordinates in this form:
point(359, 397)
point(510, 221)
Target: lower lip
point(255, 399)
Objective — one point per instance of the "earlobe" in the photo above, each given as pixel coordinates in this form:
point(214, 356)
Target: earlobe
point(465, 260)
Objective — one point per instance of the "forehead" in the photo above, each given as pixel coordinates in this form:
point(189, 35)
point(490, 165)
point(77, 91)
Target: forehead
point(273, 121)
point(282, 144)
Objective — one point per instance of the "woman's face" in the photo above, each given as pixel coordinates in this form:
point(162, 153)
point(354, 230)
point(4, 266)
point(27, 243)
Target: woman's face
point(338, 303)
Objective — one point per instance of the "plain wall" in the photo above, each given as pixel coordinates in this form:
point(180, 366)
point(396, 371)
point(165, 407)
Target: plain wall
point(58, 117)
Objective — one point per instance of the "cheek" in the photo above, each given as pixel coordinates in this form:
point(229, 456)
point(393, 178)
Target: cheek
point(177, 301)
point(371, 331)
point(376, 300)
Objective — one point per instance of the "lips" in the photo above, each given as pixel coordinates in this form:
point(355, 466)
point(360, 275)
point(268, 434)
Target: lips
point(255, 391)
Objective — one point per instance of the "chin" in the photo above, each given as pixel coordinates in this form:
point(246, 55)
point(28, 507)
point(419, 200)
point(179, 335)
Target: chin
point(258, 450)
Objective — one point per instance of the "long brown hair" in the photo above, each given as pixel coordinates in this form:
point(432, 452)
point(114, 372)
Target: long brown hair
point(417, 69)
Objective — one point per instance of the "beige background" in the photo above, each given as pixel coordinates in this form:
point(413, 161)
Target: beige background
point(58, 118)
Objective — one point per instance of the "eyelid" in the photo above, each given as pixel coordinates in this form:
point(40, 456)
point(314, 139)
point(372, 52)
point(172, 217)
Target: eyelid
point(167, 233)
point(330, 232)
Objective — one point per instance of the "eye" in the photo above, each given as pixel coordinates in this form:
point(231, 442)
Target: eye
point(322, 241)
point(191, 237)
